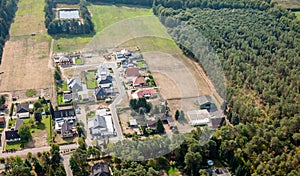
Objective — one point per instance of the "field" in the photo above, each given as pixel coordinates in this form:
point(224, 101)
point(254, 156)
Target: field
point(102, 17)
point(292, 4)
point(25, 56)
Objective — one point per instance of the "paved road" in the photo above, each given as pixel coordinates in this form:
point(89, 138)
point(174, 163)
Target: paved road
point(117, 101)
point(66, 162)
point(36, 150)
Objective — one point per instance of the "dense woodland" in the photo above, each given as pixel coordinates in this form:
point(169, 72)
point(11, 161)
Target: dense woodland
point(258, 45)
point(68, 26)
point(7, 13)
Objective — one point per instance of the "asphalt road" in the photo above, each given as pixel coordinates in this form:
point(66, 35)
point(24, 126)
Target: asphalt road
point(117, 101)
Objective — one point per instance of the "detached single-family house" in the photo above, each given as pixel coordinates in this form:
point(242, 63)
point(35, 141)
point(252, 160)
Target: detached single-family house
point(62, 60)
point(152, 125)
point(144, 93)
point(74, 84)
point(67, 130)
point(206, 102)
point(132, 73)
point(12, 136)
point(68, 97)
point(133, 123)
point(23, 111)
point(139, 82)
point(2, 122)
point(100, 169)
point(198, 117)
point(100, 93)
point(101, 126)
point(103, 77)
point(65, 114)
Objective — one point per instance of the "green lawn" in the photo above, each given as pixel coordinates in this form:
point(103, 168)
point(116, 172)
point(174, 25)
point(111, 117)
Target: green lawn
point(298, 14)
point(48, 125)
point(63, 87)
point(30, 92)
point(78, 61)
point(13, 145)
point(60, 99)
point(173, 172)
point(139, 64)
point(102, 17)
point(91, 82)
point(91, 114)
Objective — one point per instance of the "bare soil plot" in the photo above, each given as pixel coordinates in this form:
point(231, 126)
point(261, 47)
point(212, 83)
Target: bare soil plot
point(25, 65)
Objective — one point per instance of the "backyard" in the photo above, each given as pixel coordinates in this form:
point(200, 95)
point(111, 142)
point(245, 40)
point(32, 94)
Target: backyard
point(91, 82)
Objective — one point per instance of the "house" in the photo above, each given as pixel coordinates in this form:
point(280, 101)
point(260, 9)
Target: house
point(216, 122)
point(198, 117)
point(68, 97)
point(151, 125)
point(2, 122)
point(12, 136)
point(132, 72)
point(100, 93)
point(144, 93)
point(65, 114)
point(67, 130)
point(206, 102)
point(23, 111)
point(218, 172)
point(103, 77)
point(133, 123)
point(100, 169)
point(62, 60)
point(18, 123)
point(101, 126)
point(139, 82)
point(74, 84)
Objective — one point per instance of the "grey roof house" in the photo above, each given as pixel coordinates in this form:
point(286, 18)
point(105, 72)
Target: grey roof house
point(65, 114)
point(101, 126)
point(100, 169)
point(67, 130)
point(206, 102)
point(23, 110)
point(74, 84)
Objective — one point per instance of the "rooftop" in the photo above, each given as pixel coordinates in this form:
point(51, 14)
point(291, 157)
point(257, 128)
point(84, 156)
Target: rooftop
point(132, 72)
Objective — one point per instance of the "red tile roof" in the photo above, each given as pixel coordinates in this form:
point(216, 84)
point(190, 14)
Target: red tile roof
point(2, 119)
point(130, 72)
point(139, 80)
point(141, 93)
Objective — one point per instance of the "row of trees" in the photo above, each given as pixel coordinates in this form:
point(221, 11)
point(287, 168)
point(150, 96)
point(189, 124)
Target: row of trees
point(259, 52)
point(68, 26)
point(47, 163)
point(7, 13)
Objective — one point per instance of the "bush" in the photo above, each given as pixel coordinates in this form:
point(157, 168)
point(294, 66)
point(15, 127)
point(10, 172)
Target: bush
point(11, 111)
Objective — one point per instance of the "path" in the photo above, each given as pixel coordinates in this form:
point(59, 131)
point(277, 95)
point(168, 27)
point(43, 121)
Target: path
point(66, 162)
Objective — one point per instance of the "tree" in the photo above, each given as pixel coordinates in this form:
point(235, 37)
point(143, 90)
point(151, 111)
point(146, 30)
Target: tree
point(37, 105)
point(160, 127)
point(38, 116)
point(2, 100)
point(177, 114)
point(24, 132)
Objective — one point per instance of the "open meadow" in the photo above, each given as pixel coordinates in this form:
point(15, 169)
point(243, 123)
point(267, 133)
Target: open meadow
point(26, 55)
point(102, 17)
point(291, 4)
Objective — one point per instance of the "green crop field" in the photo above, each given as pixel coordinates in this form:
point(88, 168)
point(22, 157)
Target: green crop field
point(102, 17)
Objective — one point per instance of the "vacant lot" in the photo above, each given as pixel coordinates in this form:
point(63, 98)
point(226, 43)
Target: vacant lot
point(25, 57)
point(102, 16)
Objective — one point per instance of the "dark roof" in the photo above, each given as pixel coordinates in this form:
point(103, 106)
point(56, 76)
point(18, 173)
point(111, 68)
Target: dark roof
point(106, 81)
point(2, 120)
point(100, 169)
point(204, 99)
point(66, 126)
point(132, 72)
point(9, 135)
point(151, 123)
point(19, 122)
point(217, 122)
point(64, 113)
point(100, 92)
point(22, 108)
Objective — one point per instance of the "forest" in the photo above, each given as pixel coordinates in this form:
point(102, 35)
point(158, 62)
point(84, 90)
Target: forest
point(8, 9)
point(258, 45)
point(68, 26)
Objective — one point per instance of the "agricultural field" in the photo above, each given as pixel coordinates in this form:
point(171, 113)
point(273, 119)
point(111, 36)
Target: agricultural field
point(292, 4)
point(25, 57)
point(102, 17)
